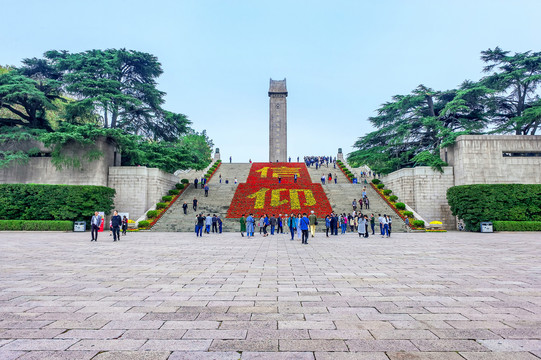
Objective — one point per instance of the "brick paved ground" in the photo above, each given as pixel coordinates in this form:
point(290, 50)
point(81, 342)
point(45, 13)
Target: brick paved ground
point(172, 296)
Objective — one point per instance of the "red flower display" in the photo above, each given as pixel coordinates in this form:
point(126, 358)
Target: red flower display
point(271, 188)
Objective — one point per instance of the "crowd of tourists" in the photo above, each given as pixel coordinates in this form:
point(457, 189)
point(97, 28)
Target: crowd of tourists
point(301, 225)
point(207, 223)
point(319, 161)
point(116, 224)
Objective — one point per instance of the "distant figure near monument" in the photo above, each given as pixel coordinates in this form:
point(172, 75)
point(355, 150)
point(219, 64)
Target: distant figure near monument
point(277, 121)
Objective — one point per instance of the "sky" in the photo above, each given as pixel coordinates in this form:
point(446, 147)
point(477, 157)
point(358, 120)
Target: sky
point(341, 59)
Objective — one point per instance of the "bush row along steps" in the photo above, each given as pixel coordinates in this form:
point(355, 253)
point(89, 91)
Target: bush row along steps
point(220, 196)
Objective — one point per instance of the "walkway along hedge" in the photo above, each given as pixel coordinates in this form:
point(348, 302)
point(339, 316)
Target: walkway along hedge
point(36, 225)
point(53, 202)
point(495, 202)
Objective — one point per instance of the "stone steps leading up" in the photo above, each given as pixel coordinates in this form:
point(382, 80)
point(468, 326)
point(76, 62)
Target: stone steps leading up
point(340, 196)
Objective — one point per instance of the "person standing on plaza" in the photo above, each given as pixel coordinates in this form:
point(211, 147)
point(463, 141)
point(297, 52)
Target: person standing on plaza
point(333, 223)
point(389, 225)
point(366, 226)
point(95, 223)
point(305, 222)
point(373, 223)
point(124, 225)
point(206, 190)
point(313, 223)
point(250, 225)
point(261, 224)
point(362, 226)
point(195, 183)
point(200, 224)
point(242, 225)
point(116, 222)
point(279, 224)
point(208, 223)
point(327, 225)
point(266, 223)
point(292, 224)
point(185, 207)
point(214, 223)
point(194, 204)
point(220, 224)
point(299, 231)
point(380, 220)
point(272, 222)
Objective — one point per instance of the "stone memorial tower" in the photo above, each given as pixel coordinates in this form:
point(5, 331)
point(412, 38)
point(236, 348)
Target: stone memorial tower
point(277, 121)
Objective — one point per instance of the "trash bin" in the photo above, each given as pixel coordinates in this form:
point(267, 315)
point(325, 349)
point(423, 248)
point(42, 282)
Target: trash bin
point(486, 227)
point(79, 226)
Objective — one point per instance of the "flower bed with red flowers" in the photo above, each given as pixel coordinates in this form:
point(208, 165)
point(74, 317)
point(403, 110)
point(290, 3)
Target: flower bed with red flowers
point(268, 173)
point(263, 194)
point(391, 204)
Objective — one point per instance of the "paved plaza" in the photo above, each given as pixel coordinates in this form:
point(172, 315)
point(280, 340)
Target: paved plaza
point(174, 296)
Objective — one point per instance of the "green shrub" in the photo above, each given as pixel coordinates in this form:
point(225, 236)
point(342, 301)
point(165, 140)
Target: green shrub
point(143, 224)
point(167, 198)
point(375, 181)
point(387, 192)
point(400, 206)
point(380, 186)
point(517, 225)
point(207, 176)
point(392, 198)
point(174, 192)
point(36, 225)
point(161, 205)
point(152, 214)
point(180, 186)
point(53, 202)
point(408, 213)
point(184, 181)
point(495, 202)
point(418, 223)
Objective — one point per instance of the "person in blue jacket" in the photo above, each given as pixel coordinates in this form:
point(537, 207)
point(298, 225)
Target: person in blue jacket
point(305, 222)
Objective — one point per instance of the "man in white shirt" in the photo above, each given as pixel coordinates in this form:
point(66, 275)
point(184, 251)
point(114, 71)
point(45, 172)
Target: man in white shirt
point(382, 221)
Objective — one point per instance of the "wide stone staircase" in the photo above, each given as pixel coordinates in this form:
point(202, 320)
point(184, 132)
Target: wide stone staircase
point(340, 196)
point(220, 196)
point(342, 193)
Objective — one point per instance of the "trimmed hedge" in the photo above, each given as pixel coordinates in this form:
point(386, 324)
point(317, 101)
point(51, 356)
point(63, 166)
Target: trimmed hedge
point(408, 213)
point(387, 192)
point(517, 225)
point(174, 192)
point(161, 205)
point(375, 181)
point(418, 223)
point(180, 186)
point(380, 186)
point(400, 206)
point(143, 224)
point(53, 202)
point(184, 181)
point(393, 198)
point(152, 214)
point(495, 202)
point(36, 225)
point(167, 198)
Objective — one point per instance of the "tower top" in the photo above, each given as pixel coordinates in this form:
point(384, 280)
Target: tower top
point(277, 87)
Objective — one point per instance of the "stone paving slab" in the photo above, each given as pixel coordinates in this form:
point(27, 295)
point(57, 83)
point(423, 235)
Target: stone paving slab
point(157, 296)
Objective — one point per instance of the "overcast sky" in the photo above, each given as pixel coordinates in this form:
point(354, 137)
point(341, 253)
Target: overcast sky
point(342, 59)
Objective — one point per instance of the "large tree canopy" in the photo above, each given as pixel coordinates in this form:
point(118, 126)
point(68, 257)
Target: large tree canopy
point(410, 129)
point(69, 94)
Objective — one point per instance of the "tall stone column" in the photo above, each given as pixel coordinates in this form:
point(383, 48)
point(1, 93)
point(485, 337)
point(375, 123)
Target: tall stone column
point(277, 121)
